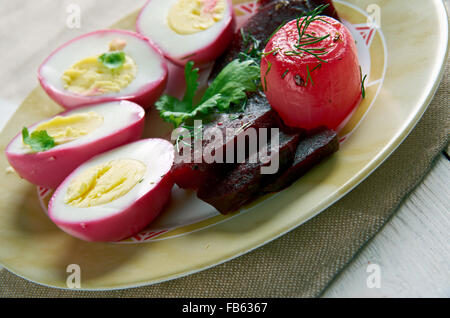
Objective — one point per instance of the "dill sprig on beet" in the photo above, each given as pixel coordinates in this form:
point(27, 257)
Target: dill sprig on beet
point(306, 39)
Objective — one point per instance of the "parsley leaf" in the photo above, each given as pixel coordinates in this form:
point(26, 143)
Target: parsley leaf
point(232, 83)
point(38, 141)
point(177, 111)
point(112, 60)
point(253, 51)
point(229, 87)
point(191, 76)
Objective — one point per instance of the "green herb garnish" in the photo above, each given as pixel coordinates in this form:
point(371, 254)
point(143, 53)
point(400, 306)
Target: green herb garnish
point(112, 60)
point(38, 141)
point(276, 30)
point(316, 67)
point(363, 89)
point(254, 52)
point(305, 39)
point(229, 87)
point(363, 80)
point(274, 52)
point(269, 67)
point(308, 76)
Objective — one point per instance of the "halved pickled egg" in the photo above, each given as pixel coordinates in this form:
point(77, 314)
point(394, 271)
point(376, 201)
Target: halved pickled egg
point(47, 152)
point(102, 66)
point(116, 194)
point(188, 30)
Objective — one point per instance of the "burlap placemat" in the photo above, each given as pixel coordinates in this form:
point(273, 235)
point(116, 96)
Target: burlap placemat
point(303, 262)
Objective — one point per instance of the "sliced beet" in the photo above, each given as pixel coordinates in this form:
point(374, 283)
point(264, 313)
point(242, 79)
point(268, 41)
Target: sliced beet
point(189, 175)
point(310, 151)
point(310, 4)
point(257, 114)
point(230, 190)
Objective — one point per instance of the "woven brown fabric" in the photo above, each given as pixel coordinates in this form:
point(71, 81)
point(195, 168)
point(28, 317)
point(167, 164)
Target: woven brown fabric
point(303, 262)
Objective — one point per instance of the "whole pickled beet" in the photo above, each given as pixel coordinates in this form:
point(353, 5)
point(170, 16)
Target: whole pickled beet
point(311, 74)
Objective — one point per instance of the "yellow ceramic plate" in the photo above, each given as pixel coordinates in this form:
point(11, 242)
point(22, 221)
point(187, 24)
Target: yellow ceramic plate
point(402, 47)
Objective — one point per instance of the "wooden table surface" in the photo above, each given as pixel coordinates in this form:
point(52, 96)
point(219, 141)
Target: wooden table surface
point(412, 250)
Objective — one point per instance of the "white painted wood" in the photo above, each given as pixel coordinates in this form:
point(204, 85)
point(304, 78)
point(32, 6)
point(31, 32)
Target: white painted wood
point(412, 250)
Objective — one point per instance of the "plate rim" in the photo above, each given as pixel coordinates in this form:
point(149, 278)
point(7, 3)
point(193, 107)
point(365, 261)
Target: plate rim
point(350, 185)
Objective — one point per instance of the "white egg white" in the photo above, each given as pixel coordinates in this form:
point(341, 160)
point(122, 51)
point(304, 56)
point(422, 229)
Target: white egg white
point(148, 61)
point(156, 156)
point(153, 24)
point(116, 116)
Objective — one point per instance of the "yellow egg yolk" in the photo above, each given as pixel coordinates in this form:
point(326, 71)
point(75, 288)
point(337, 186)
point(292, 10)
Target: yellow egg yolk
point(192, 16)
point(68, 128)
point(104, 183)
point(91, 77)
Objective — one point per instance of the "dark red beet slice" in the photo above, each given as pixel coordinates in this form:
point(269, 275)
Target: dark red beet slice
point(189, 175)
point(310, 151)
point(310, 4)
point(258, 114)
point(229, 191)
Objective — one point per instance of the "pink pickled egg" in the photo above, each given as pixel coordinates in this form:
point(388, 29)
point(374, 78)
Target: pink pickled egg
point(116, 194)
point(172, 29)
point(113, 124)
point(144, 87)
